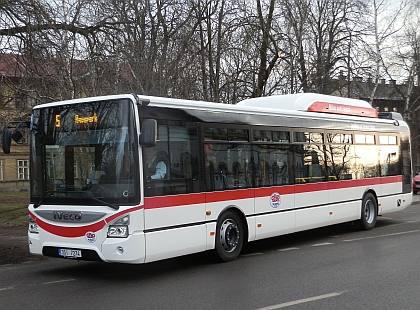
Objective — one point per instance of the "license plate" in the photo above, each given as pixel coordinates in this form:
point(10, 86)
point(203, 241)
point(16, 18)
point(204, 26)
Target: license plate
point(69, 253)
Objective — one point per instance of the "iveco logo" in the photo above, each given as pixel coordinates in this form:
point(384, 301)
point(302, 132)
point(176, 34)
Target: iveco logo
point(67, 216)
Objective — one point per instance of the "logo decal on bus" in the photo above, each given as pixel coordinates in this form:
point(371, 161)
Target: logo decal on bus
point(67, 215)
point(275, 200)
point(90, 237)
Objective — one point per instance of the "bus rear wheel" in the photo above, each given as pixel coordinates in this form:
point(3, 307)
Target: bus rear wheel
point(229, 236)
point(369, 212)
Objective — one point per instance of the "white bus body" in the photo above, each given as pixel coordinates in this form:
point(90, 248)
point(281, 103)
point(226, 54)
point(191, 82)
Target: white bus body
point(306, 183)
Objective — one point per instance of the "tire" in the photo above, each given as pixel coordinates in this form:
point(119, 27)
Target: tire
point(229, 236)
point(369, 212)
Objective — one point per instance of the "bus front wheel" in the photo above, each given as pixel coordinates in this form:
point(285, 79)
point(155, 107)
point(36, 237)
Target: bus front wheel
point(229, 236)
point(369, 212)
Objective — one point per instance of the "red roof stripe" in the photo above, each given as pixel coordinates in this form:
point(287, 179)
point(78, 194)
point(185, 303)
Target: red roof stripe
point(337, 108)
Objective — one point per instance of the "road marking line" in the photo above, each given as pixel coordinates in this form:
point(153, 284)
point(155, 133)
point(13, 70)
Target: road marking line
point(301, 301)
point(6, 288)
point(288, 249)
point(376, 228)
point(252, 254)
point(59, 281)
point(381, 236)
point(322, 244)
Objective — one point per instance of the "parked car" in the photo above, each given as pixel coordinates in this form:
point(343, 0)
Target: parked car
point(416, 183)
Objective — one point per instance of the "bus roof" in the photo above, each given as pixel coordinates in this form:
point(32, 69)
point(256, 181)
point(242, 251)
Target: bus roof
point(304, 104)
point(314, 103)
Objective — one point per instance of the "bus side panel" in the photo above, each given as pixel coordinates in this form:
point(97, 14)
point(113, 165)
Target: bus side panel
point(392, 185)
point(406, 200)
point(175, 242)
point(312, 217)
point(274, 199)
point(278, 215)
point(368, 184)
point(217, 202)
point(312, 194)
point(252, 228)
point(275, 224)
point(390, 203)
point(311, 204)
point(174, 226)
point(210, 235)
point(344, 205)
point(344, 212)
point(169, 211)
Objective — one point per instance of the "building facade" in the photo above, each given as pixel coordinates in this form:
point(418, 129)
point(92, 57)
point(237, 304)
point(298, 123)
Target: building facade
point(14, 105)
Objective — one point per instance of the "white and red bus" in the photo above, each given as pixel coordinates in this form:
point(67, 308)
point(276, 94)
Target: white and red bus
point(233, 173)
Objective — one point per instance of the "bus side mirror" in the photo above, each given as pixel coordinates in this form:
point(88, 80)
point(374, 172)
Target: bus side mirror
point(6, 139)
point(16, 135)
point(148, 136)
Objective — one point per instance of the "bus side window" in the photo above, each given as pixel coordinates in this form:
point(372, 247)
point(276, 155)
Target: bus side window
point(189, 171)
point(340, 161)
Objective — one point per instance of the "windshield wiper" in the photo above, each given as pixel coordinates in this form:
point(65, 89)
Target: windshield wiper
point(40, 200)
point(112, 206)
point(49, 193)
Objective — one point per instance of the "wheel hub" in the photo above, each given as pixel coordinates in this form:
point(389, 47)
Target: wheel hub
point(229, 235)
point(369, 211)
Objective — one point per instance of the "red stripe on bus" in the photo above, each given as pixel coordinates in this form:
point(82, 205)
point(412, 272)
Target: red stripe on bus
point(392, 179)
point(230, 195)
point(80, 231)
point(68, 232)
point(174, 200)
point(209, 197)
point(116, 215)
point(370, 182)
point(342, 184)
point(311, 187)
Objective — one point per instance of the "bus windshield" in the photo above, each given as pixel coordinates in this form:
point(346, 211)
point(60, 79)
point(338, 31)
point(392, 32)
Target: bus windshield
point(84, 154)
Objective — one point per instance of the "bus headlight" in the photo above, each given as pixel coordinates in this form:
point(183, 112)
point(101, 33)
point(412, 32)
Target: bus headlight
point(119, 229)
point(33, 226)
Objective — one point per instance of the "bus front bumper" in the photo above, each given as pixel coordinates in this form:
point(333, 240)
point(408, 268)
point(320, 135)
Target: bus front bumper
point(129, 250)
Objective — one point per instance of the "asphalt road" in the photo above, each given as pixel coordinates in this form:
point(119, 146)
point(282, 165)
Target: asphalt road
point(330, 268)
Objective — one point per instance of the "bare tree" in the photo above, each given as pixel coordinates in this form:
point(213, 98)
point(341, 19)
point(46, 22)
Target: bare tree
point(383, 29)
point(332, 23)
point(58, 40)
point(296, 23)
point(208, 50)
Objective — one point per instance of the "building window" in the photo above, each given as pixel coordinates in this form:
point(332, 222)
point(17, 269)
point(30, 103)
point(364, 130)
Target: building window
point(20, 99)
point(23, 169)
point(76, 169)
